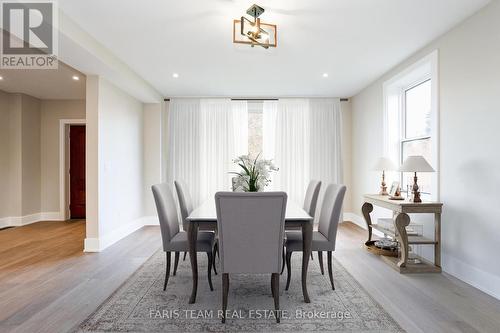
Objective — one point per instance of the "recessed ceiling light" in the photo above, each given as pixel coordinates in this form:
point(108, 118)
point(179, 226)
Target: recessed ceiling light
point(76, 78)
point(175, 75)
point(1, 78)
point(325, 74)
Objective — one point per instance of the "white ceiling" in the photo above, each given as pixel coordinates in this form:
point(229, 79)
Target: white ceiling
point(44, 83)
point(354, 41)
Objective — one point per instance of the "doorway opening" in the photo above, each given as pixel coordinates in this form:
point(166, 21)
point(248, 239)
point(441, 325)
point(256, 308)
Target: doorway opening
point(77, 172)
point(72, 169)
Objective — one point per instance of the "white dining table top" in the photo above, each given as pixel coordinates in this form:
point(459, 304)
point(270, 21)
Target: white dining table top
point(206, 212)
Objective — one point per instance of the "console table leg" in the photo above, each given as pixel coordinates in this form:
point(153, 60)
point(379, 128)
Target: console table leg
point(401, 221)
point(367, 208)
point(437, 238)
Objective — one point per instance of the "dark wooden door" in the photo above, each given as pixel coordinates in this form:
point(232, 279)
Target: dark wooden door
point(77, 171)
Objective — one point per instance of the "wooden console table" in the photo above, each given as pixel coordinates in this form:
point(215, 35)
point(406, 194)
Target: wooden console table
point(401, 209)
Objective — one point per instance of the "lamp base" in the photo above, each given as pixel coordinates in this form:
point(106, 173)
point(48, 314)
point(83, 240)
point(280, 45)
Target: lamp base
point(415, 191)
point(383, 190)
point(383, 187)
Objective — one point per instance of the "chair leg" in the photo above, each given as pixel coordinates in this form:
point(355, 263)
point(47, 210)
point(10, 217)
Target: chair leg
point(176, 262)
point(184, 259)
point(312, 257)
point(272, 285)
point(288, 269)
point(167, 272)
point(213, 258)
point(330, 271)
point(275, 286)
point(216, 251)
point(225, 291)
point(283, 261)
point(213, 266)
point(320, 259)
point(209, 270)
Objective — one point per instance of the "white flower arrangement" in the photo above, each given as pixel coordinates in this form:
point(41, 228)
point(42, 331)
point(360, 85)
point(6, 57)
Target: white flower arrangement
point(255, 174)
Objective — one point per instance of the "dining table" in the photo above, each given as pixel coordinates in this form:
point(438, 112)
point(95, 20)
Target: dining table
point(206, 215)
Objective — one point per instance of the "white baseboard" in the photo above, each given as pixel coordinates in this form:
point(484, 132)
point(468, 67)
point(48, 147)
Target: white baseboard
point(101, 243)
point(356, 219)
point(151, 220)
point(18, 221)
point(5, 222)
point(52, 216)
point(477, 278)
point(91, 245)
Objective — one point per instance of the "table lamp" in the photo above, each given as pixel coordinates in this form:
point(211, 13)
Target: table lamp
point(416, 164)
point(384, 164)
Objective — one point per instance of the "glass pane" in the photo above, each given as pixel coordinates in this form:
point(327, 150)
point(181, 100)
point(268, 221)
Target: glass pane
point(255, 144)
point(417, 147)
point(418, 110)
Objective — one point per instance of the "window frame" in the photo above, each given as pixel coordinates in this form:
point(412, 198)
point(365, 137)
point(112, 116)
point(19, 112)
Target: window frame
point(403, 138)
point(394, 104)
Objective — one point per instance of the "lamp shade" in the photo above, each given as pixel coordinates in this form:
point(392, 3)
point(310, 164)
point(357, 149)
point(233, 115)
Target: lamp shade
point(416, 164)
point(384, 164)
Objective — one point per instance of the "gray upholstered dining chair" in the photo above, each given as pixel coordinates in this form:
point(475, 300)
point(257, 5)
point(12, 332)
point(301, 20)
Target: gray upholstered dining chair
point(173, 239)
point(251, 230)
point(310, 203)
point(185, 201)
point(311, 198)
point(186, 206)
point(325, 238)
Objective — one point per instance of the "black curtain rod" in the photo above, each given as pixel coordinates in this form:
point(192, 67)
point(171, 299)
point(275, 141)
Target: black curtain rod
point(254, 99)
point(259, 99)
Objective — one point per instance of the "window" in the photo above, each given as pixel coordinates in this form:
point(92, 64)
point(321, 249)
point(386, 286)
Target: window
point(410, 121)
point(255, 128)
point(418, 110)
point(416, 130)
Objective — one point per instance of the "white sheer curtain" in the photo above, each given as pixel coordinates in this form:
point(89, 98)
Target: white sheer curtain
point(204, 136)
point(183, 143)
point(307, 143)
point(325, 142)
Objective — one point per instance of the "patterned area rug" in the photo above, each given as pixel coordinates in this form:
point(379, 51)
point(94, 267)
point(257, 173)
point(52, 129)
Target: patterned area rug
point(140, 304)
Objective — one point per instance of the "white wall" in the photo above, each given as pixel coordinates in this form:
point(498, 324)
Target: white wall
point(30, 151)
point(15, 159)
point(469, 86)
point(51, 112)
point(20, 156)
point(152, 155)
point(115, 148)
point(4, 154)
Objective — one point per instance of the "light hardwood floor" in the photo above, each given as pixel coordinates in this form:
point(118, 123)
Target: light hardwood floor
point(47, 284)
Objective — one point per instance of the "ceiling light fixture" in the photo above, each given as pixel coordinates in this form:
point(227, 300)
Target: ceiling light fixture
point(325, 74)
point(76, 78)
point(1, 78)
point(254, 32)
point(175, 75)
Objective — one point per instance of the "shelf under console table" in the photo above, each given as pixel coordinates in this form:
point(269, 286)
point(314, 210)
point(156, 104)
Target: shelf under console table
point(401, 220)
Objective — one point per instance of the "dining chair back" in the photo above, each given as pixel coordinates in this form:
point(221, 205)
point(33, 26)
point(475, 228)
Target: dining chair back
point(251, 230)
point(331, 210)
point(167, 213)
point(311, 199)
point(185, 202)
